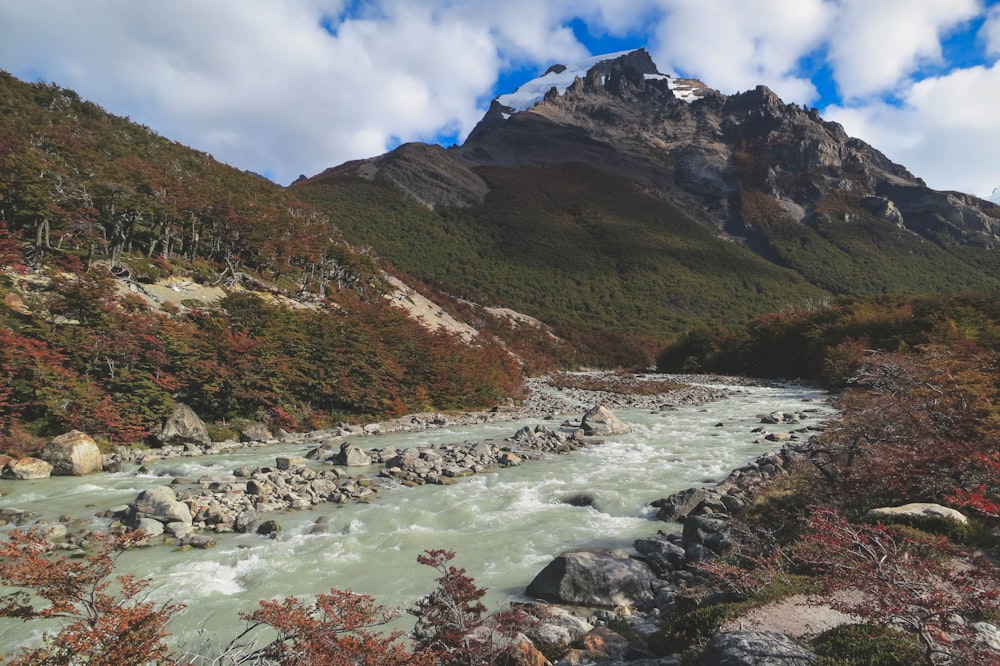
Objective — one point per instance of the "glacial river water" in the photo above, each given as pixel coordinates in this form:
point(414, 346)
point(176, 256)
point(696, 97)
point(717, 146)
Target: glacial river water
point(505, 526)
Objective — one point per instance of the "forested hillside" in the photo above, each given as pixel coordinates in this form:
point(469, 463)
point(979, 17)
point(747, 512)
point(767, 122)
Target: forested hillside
point(94, 210)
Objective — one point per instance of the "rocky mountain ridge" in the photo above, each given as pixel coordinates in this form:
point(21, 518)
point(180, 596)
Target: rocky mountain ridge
point(707, 154)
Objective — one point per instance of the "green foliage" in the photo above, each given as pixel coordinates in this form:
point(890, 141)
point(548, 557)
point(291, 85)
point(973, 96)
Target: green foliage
point(571, 245)
point(867, 645)
point(828, 342)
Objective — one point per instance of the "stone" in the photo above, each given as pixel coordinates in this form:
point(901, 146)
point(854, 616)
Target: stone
point(661, 553)
point(921, 510)
point(601, 422)
point(754, 648)
point(152, 528)
point(594, 578)
point(351, 455)
point(73, 454)
point(988, 634)
point(676, 507)
point(525, 654)
point(159, 503)
point(269, 528)
point(285, 463)
point(255, 432)
point(202, 541)
point(712, 531)
point(27, 469)
point(183, 427)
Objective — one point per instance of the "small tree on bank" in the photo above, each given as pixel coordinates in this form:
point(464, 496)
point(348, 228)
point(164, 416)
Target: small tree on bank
point(109, 621)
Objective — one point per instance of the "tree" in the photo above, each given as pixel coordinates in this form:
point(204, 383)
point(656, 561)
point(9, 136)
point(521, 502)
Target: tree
point(105, 624)
point(451, 623)
point(902, 578)
point(335, 629)
point(11, 250)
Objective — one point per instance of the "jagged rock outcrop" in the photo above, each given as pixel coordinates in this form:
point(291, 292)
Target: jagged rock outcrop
point(684, 142)
point(183, 427)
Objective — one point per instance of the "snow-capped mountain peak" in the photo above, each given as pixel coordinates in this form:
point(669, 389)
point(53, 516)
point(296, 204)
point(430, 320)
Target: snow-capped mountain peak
point(995, 197)
point(561, 77)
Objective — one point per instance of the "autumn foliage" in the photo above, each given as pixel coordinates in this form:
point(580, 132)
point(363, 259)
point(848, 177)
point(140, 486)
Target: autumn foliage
point(107, 619)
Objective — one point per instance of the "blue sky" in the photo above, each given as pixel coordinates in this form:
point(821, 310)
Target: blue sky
point(290, 87)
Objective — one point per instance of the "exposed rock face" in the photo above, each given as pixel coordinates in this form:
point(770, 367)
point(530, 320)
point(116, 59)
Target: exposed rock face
point(184, 426)
point(594, 578)
point(754, 648)
point(602, 422)
point(25, 469)
point(73, 454)
point(704, 152)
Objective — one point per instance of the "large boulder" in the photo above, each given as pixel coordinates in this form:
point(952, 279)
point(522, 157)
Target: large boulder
point(159, 503)
point(594, 578)
point(183, 427)
point(676, 507)
point(919, 510)
point(754, 648)
point(602, 422)
point(351, 455)
point(73, 454)
point(707, 536)
point(26, 469)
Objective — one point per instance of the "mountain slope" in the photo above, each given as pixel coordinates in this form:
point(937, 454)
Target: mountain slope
point(136, 273)
point(626, 199)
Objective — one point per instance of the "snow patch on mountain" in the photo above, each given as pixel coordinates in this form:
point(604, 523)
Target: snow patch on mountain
point(561, 77)
point(995, 197)
point(532, 92)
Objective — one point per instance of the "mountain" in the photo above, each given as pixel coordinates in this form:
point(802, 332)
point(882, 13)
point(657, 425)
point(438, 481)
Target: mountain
point(995, 196)
point(608, 196)
point(137, 273)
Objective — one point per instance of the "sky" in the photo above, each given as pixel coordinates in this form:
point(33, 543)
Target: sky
point(290, 87)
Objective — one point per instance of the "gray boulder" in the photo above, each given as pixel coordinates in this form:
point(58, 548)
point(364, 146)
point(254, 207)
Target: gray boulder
point(351, 455)
point(676, 507)
point(754, 648)
point(255, 432)
point(922, 510)
point(183, 427)
point(594, 578)
point(602, 422)
point(159, 503)
point(712, 532)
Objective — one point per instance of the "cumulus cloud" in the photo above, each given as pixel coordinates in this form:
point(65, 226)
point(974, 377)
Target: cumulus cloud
point(946, 130)
point(294, 86)
point(735, 45)
point(990, 32)
point(877, 44)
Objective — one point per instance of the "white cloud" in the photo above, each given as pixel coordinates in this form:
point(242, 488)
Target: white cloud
point(990, 32)
point(877, 44)
point(260, 84)
point(946, 131)
point(734, 45)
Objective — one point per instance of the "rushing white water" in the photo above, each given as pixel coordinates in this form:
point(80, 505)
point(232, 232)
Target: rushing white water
point(505, 526)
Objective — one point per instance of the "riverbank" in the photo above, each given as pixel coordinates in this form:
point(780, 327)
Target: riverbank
point(504, 526)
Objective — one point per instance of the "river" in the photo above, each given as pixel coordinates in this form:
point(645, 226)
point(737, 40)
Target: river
point(504, 526)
